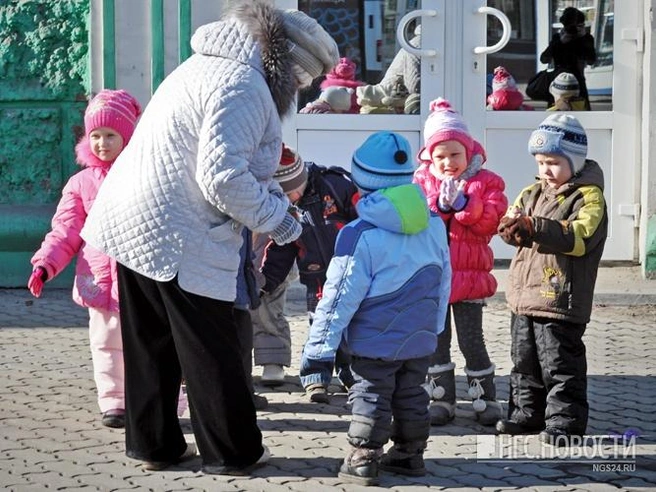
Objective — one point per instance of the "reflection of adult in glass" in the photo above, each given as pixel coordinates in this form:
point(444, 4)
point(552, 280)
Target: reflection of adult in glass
point(571, 49)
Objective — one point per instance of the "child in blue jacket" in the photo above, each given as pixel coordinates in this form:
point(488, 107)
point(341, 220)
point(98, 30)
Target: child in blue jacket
point(384, 302)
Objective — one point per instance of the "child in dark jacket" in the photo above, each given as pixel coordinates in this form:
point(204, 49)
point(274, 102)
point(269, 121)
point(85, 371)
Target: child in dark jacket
point(385, 301)
point(559, 226)
point(324, 199)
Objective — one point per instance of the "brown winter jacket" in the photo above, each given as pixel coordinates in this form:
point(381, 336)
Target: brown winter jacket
point(555, 276)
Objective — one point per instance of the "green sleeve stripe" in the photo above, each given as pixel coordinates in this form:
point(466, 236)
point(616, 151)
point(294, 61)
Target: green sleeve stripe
point(589, 217)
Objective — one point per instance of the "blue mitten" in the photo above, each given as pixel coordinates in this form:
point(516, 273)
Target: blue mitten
point(460, 199)
point(287, 231)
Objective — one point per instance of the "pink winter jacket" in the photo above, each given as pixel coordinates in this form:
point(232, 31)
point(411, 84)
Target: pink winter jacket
point(470, 231)
point(95, 273)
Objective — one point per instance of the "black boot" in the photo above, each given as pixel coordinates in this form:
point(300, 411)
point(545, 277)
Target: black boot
point(405, 459)
point(483, 393)
point(507, 426)
point(361, 466)
point(441, 388)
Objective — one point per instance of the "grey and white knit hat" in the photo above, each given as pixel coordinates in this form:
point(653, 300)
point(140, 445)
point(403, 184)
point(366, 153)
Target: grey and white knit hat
point(310, 46)
point(561, 134)
point(564, 85)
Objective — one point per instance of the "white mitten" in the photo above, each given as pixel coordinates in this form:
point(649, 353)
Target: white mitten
point(448, 191)
point(287, 231)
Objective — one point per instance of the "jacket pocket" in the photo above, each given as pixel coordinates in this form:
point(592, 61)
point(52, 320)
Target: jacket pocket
point(225, 231)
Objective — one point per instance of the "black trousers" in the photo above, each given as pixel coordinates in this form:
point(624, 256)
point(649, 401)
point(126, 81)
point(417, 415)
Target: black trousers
point(245, 335)
point(167, 332)
point(548, 381)
point(468, 320)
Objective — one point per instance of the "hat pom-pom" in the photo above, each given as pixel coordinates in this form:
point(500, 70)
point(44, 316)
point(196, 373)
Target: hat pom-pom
point(288, 157)
point(440, 104)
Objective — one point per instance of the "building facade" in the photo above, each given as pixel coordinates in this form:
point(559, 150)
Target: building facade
point(60, 53)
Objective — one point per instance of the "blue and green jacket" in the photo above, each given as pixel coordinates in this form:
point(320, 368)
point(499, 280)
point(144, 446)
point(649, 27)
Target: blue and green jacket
point(388, 283)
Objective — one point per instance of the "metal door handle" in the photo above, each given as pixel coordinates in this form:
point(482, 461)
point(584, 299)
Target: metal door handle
point(400, 32)
point(505, 37)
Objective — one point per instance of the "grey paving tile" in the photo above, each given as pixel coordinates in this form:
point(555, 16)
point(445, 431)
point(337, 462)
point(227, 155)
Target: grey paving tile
point(51, 434)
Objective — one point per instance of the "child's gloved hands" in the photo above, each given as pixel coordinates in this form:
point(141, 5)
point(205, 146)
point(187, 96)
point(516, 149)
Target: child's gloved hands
point(516, 230)
point(287, 231)
point(36, 281)
point(452, 195)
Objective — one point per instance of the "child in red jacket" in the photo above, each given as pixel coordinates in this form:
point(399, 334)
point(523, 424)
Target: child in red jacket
point(471, 201)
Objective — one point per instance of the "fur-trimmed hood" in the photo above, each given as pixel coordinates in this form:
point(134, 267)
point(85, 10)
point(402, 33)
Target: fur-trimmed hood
point(264, 46)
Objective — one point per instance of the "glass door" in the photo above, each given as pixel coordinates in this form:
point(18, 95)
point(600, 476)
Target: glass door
point(378, 85)
point(611, 123)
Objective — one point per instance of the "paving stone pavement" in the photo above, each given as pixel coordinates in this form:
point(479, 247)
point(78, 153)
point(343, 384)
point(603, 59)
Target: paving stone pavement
point(51, 437)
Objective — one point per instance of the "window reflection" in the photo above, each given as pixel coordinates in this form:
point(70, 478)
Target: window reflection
point(374, 76)
point(520, 56)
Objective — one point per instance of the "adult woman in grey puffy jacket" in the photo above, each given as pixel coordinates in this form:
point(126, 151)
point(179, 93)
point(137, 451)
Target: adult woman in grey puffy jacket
point(198, 169)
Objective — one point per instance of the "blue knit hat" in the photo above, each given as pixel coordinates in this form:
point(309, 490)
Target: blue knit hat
point(382, 161)
point(561, 134)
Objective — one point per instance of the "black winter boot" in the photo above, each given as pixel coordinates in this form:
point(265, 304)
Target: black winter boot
point(441, 388)
point(405, 459)
point(484, 395)
point(361, 466)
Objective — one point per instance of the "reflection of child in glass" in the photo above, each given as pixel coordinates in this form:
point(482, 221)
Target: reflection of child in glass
point(325, 201)
point(109, 121)
point(385, 299)
point(565, 91)
point(505, 95)
point(471, 201)
point(559, 226)
point(571, 49)
point(343, 76)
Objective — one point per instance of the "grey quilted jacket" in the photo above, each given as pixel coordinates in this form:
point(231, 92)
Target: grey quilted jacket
point(199, 166)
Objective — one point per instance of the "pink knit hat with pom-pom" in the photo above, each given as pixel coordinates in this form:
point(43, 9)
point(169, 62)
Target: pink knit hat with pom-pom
point(444, 123)
point(344, 70)
point(115, 109)
point(502, 79)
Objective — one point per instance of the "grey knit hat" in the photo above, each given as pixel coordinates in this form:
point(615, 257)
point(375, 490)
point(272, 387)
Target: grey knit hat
point(561, 134)
point(564, 85)
point(310, 46)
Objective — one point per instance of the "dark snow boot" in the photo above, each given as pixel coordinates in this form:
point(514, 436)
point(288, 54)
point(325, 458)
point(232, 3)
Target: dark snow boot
point(484, 395)
point(361, 466)
point(405, 459)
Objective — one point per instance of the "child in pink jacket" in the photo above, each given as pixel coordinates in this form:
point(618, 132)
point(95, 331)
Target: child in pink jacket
point(471, 201)
point(109, 121)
